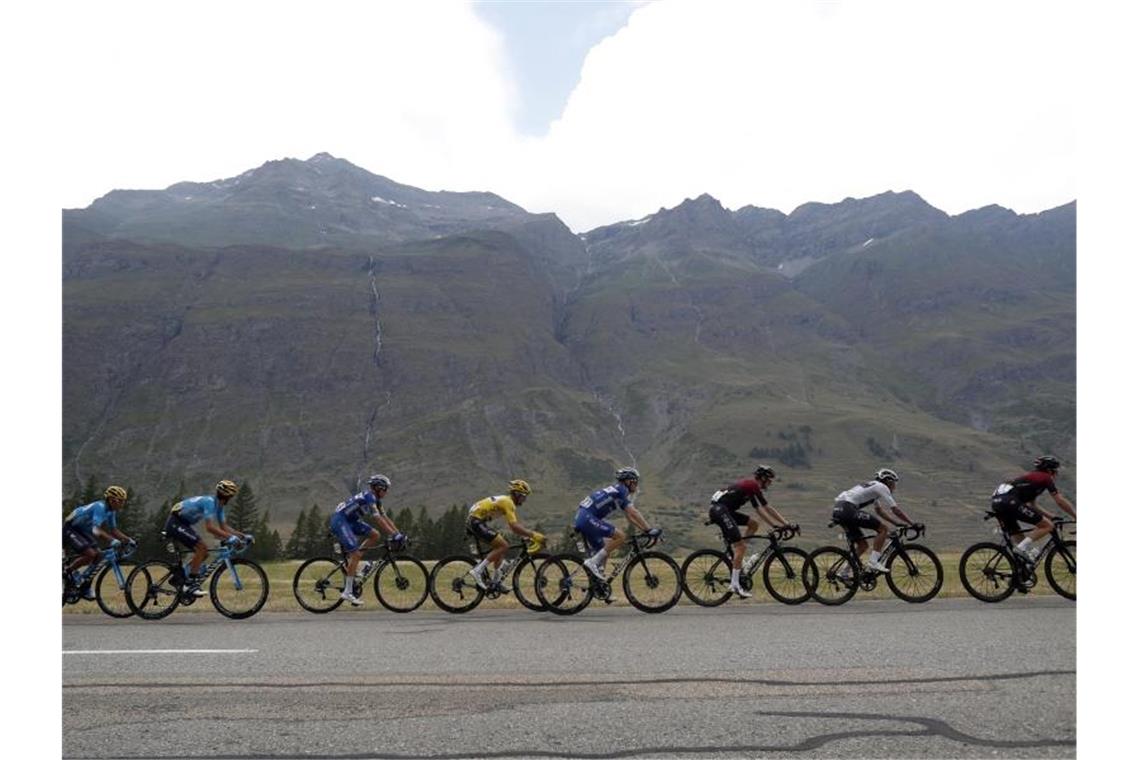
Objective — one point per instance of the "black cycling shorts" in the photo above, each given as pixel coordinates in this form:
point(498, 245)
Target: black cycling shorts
point(481, 530)
point(77, 539)
point(181, 531)
point(1010, 512)
point(728, 520)
point(854, 520)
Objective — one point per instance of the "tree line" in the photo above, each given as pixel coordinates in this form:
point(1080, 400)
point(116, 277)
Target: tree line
point(432, 537)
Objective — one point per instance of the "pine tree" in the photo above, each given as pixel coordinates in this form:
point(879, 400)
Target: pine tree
point(296, 543)
point(241, 513)
point(317, 541)
point(132, 517)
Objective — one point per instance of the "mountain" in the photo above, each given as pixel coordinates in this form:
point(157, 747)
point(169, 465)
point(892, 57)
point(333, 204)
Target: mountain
point(458, 341)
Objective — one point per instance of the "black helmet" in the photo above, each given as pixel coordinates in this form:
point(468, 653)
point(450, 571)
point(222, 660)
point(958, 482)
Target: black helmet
point(627, 473)
point(764, 471)
point(1047, 463)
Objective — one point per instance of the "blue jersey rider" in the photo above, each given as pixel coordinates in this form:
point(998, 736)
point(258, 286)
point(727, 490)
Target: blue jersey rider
point(348, 523)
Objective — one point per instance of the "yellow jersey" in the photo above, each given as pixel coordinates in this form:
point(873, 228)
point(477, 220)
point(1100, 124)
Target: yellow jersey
point(485, 509)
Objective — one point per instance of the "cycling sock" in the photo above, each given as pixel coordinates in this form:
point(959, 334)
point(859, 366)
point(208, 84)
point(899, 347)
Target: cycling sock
point(599, 559)
point(735, 577)
point(875, 557)
point(1025, 543)
point(480, 567)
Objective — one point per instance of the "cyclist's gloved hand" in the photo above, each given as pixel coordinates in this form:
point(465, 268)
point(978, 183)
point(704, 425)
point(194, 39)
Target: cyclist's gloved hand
point(248, 538)
point(232, 540)
point(116, 543)
point(655, 532)
point(535, 543)
point(132, 543)
point(399, 539)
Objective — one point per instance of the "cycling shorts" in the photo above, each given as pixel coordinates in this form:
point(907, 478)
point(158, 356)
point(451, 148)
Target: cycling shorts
point(854, 520)
point(181, 531)
point(481, 530)
point(347, 531)
point(1010, 512)
point(76, 539)
point(593, 529)
point(728, 520)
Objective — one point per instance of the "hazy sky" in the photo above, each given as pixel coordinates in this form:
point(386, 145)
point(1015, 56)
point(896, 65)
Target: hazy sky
point(599, 111)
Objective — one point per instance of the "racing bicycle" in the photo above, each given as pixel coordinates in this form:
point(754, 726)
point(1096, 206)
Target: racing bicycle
point(453, 587)
point(914, 572)
point(651, 580)
point(991, 572)
point(399, 580)
point(238, 586)
point(707, 573)
point(108, 577)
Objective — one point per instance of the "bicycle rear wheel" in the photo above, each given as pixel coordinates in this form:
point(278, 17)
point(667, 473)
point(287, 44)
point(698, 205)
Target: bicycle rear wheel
point(786, 575)
point(240, 590)
point(112, 597)
point(915, 574)
point(1061, 570)
point(563, 583)
point(318, 583)
point(705, 577)
point(836, 574)
point(524, 581)
point(152, 592)
point(452, 586)
point(652, 582)
point(987, 572)
point(401, 584)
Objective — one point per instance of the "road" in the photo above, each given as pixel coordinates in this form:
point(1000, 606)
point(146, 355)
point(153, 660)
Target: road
point(951, 678)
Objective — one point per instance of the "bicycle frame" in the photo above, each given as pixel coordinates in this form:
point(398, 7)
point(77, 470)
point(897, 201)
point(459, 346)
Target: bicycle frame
point(109, 556)
point(1055, 539)
point(225, 555)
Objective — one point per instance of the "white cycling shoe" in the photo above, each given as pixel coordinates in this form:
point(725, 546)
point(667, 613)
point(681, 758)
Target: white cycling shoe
point(877, 567)
point(594, 570)
point(740, 592)
point(347, 596)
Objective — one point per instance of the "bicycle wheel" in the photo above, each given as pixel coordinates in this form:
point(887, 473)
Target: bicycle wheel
point(652, 582)
point(836, 575)
point(786, 575)
point(401, 584)
point(240, 590)
point(915, 574)
point(987, 572)
point(112, 597)
point(1061, 569)
point(563, 584)
point(318, 583)
point(452, 586)
point(705, 577)
point(524, 581)
point(152, 593)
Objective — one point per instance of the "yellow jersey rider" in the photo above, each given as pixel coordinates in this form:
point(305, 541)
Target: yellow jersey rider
point(485, 510)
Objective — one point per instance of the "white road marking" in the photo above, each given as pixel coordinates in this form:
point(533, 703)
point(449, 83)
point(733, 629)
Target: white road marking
point(159, 651)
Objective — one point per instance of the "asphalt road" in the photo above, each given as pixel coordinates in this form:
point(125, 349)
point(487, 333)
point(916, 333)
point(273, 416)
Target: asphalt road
point(951, 678)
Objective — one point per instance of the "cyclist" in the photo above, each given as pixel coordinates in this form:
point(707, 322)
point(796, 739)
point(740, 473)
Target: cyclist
point(848, 512)
point(84, 524)
point(602, 537)
point(348, 523)
point(724, 511)
point(1015, 501)
point(482, 512)
point(186, 513)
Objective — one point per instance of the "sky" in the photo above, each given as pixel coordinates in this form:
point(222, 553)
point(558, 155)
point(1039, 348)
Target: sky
point(597, 111)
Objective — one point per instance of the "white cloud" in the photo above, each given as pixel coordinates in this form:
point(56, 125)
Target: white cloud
point(773, 103)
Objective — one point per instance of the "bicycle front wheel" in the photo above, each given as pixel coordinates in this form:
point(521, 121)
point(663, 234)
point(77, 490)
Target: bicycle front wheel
point(524, 581)
point(151, 591)
point(1061, 569)
point(836, 575)
point(240, 590)
point(786, 575)
point(705, 577)
point(318, 583)
point(111, 591)
point(652, 582)
point(401, 584)
point(915, 574)
point(452, 586)
point(563, 583)
point(987, 572)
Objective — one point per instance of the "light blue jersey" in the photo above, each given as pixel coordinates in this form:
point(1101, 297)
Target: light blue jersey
point(195, 508)
point(93, 515)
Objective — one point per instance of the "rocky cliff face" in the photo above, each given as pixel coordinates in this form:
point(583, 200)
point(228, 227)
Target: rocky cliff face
point(453, 340)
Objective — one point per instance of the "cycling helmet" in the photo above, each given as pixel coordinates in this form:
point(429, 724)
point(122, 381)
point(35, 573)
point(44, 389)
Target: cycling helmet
point(764, 471)
point(627, 473)
point(227, 488)
point(520, 487)
point(380, 480)
point(884, 475)
point(1047, 464)
point(115, 492)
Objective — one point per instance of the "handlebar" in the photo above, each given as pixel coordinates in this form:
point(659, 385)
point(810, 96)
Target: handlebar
point(784, 532)
point(911, 532)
